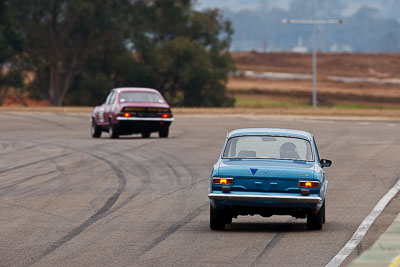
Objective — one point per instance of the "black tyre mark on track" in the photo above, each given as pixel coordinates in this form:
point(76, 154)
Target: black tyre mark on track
point(140, 189)
point(177, 175)
point(165, 194)
point(145, 184)
point(272, 243)
point(152, 154)
point(19, 149)
point(35, 210)
point(188, 186)
point(181, 188)
point(105, 210)
point(72, 115)
point(43, 184)
point(26, 179)
point(145, 181)
point(174, 228)
point(33, 163)
point(102, 212)
point(38, 119)
point(181, 162)
point(171, 230)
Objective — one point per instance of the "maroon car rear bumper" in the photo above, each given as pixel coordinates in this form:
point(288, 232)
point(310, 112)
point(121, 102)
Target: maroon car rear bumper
point(144, 119)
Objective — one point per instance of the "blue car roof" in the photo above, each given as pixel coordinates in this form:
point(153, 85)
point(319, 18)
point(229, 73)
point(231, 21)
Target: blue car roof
point(271, 131)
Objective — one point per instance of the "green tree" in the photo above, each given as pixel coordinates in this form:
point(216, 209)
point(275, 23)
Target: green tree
point(61, 35)
point(79, 49)
point(109, 67)
point(187, 50)
point(11, 44)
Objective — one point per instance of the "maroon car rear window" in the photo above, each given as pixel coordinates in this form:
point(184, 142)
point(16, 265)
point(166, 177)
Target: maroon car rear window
point(140, 97)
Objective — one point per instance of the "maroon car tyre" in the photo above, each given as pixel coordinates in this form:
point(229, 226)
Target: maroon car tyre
point(163, 132)
point(95, 130)
point(113, 131)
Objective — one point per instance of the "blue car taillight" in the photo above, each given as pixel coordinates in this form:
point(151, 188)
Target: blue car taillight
point(222, 181)
point(308, 184)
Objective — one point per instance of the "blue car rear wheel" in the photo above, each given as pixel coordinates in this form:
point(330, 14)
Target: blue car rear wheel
point(217, 218)
point(315, 221)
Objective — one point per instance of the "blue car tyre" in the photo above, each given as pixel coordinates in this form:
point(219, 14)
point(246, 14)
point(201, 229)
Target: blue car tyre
point(315, 221)
point(218, 218)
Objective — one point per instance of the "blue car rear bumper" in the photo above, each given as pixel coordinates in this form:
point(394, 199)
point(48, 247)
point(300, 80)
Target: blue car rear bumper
point(266, 200)
point(266, 197)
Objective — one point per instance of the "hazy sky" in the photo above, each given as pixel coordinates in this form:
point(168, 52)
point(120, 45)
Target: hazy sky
point(235, 5)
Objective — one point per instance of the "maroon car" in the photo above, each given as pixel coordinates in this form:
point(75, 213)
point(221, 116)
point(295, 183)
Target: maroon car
point(130, 111)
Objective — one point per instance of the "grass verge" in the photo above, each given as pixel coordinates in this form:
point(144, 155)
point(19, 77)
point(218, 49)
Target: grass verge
point(259, 101)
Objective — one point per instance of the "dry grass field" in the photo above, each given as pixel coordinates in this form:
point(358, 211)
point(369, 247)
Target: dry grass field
point(269, 93)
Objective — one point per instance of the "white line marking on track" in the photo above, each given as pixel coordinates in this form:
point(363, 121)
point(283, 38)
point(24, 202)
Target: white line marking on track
point(364, 226)
point(374, 143)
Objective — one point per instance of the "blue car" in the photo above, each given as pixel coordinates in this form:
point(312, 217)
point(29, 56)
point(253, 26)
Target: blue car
point(268, 172)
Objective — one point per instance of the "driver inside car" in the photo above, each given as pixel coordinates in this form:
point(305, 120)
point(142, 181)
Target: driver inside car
point(289, 151)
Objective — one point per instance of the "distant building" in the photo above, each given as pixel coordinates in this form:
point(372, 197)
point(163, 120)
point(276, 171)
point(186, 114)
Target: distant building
point(300, 48)
point(341, 48)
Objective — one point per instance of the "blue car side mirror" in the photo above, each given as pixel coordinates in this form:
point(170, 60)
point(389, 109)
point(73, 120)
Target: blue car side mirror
point(325, 163)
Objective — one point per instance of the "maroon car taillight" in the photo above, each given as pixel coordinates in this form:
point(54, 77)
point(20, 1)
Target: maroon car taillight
point(125, 114)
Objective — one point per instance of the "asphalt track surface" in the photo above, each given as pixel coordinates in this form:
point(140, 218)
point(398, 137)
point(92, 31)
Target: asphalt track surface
point(67, 199)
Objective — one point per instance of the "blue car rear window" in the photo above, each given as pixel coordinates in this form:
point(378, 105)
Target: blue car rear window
point(274, 147)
